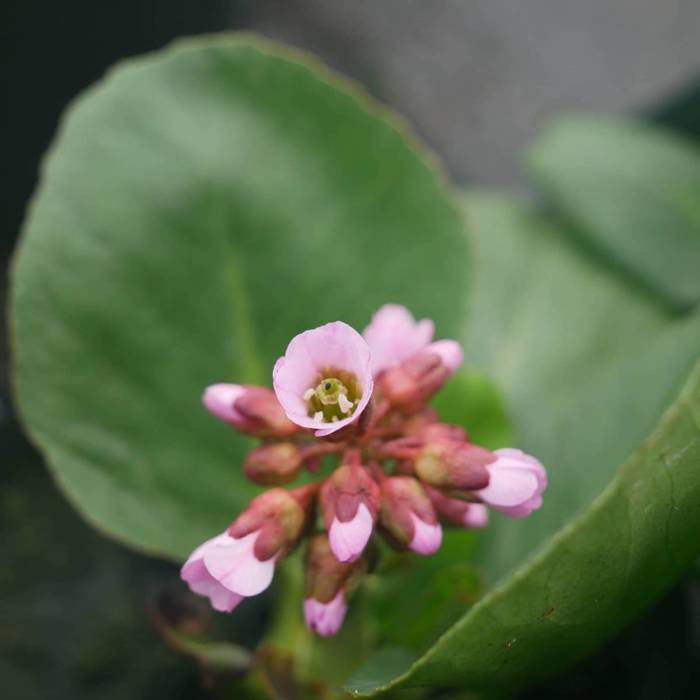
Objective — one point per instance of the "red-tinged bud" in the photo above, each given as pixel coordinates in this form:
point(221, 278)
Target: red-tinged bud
point(350, 503)
point(457, 511)
point(416, 380)
point(327, 583)
point(279, 517)
point(407, 516)
point(253, 410)
point(454, 465)
point(274, 464)
point(434, 432)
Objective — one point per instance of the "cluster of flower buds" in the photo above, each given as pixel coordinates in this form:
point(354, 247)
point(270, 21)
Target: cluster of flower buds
point(361, 400)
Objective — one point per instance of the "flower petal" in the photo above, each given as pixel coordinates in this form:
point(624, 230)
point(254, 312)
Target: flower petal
point(450, 352)
point(348, 539)
point(325, 618)
point(427, 538)
point(219, 399)
point(234, 564)
point(393, 336)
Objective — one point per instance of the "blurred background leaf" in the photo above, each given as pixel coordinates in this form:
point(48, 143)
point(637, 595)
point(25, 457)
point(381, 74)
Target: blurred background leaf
point(632, 190)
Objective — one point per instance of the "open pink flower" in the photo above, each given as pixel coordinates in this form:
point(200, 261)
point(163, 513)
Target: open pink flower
point(393, 336)
point(516, 483)
point(325, 618)
point(225, 570)
point(324, 381)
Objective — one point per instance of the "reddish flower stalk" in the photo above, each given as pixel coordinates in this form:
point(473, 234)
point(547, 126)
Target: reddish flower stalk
point(399, 472)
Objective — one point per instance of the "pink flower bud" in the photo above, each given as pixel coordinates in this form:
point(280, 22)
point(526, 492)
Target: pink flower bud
point(324, 381)
point(394, 336)
point(417, 379)
point(350, 503)
point(278, 517)
point(407, 515)
point(325, 619)
point(273, 464)
point(253, 410)
point(454, 465)
point(457, 511)
point(326, 582)
point(516, 483)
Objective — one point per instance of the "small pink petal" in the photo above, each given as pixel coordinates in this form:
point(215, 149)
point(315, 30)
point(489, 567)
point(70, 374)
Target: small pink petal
point(234, 564)
point(219, 400)
point(348, 539)
point(427, 538)
point(450, 352)
point(325, 618)
point(201, 582)
point(393, 336)
point(476, 516)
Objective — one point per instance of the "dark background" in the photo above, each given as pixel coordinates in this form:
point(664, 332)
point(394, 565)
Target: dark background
point(477, 80)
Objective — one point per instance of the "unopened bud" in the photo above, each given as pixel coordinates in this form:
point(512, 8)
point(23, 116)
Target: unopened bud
point(327, 584)
point(517, 482)
point(280, 518)
point(274, 464)
point(457, 511)
point(253, 410)
point(350, 503)
point(454, 465)
point(407, 515)
point(417, 379)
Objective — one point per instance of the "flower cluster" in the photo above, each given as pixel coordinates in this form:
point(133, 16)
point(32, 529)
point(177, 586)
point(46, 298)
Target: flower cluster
point(363, 401)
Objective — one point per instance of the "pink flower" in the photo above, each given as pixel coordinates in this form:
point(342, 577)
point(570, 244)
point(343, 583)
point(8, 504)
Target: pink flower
point(325, 618)
point(516, 483)
point(393, 336)
point(226, 571)
point(324, 381)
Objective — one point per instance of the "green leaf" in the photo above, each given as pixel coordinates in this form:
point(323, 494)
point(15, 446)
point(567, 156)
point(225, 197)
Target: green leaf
point(200, 207)
point(594, 376)
point(633, 191)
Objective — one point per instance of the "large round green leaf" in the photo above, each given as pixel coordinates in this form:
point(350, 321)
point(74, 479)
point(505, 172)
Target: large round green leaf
point(199, 207)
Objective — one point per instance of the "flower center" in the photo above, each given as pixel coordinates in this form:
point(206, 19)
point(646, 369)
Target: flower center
point(334, 397)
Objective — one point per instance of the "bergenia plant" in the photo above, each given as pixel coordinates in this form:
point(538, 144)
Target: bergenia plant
point(401, 473)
